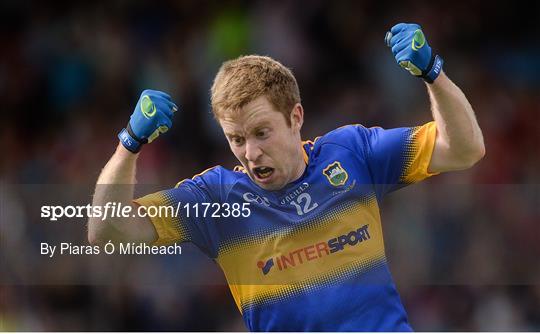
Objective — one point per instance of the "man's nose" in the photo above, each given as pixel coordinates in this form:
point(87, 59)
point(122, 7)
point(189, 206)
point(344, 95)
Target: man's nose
point(253, 151)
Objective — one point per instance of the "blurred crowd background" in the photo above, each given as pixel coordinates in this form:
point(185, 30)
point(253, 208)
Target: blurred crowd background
point(464, 247)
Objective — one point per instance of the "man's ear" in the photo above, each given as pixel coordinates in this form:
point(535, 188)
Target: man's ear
point(297, 117)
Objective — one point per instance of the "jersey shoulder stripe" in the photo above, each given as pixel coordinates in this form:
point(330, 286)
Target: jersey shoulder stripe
point(197, 175)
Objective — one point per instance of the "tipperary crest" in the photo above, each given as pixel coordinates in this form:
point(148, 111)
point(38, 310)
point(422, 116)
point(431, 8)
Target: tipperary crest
point(336, 174)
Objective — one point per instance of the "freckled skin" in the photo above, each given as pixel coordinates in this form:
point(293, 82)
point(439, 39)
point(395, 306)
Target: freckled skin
point(260, 136)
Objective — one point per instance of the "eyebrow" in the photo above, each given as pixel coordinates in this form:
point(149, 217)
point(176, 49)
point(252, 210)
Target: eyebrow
point(233, 134)
point(260, 125)
point(263, 124)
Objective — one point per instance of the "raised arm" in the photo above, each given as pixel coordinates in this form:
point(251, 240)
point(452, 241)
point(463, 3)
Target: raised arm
point(459, 143)
point(115, 184)
point(152, 116)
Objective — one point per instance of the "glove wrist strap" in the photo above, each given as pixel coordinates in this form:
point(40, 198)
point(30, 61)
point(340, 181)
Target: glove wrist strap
point(434, 69)
point(129, 140)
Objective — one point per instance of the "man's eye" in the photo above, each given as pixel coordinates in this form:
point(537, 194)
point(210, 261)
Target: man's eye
point(237, 140)
point(261, 134)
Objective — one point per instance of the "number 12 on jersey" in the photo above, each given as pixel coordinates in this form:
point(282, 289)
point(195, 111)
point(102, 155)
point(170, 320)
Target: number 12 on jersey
point(303, 204)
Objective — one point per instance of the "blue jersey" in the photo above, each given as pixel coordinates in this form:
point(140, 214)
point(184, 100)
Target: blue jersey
point(309, 257)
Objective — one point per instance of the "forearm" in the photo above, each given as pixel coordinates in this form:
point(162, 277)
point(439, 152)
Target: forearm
point(116, 185)
point(457, 127)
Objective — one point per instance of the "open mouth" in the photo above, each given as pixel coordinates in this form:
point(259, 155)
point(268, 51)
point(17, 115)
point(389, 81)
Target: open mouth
point(263, 172)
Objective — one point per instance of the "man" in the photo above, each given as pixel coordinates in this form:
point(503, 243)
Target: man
point(308, 253)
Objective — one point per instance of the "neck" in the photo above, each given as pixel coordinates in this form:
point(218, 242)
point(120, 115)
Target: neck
point(301, 164)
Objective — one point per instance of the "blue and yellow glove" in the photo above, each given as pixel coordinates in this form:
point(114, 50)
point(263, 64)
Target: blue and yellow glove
point(412, 51)
point(152, 116)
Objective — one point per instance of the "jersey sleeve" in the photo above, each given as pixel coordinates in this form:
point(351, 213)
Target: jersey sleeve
point(174, 225)
point(400, 156)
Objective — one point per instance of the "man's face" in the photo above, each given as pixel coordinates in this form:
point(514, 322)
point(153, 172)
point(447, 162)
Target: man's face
point(269, 149)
